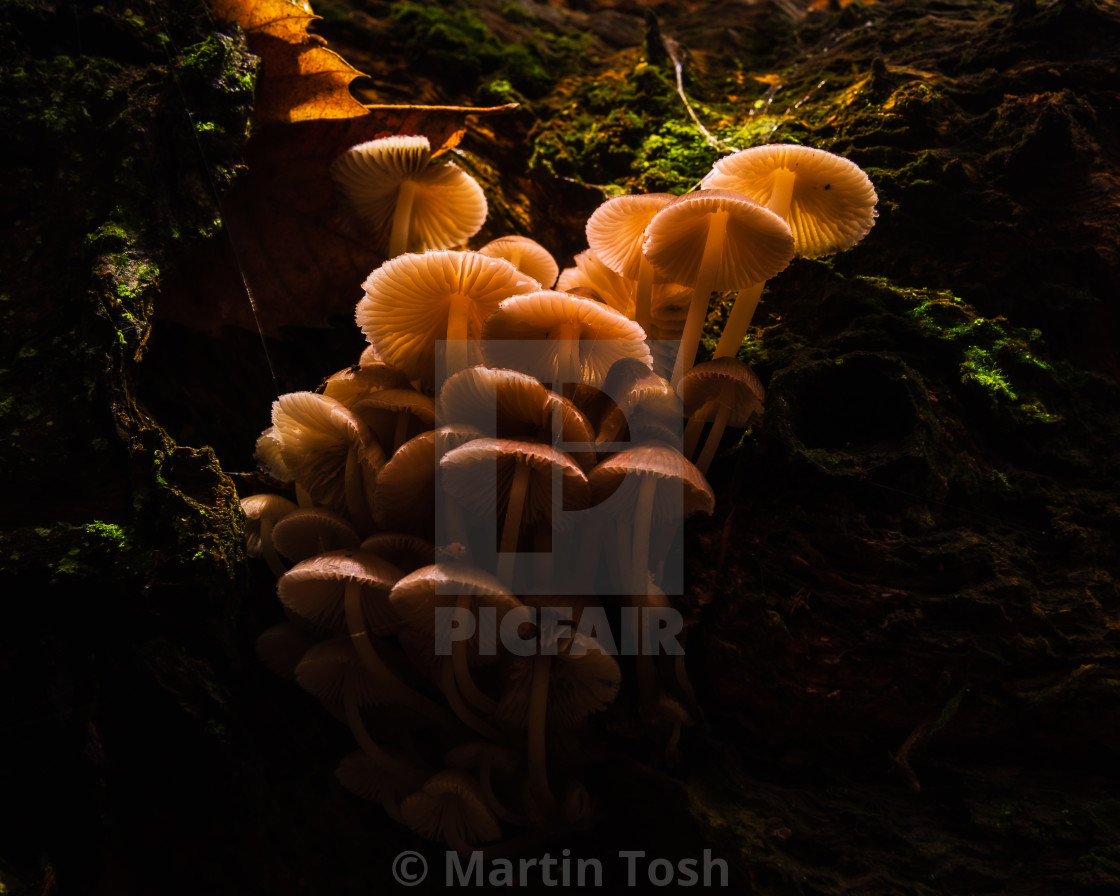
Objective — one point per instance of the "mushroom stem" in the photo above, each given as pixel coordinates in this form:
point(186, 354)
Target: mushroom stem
point(400, 433)
point(781, 193)
point(402, 219)
point(643, 293)
point(723, 411)
point(693, 431)
point(303, 498)
point(355, 622)
point(701, 293)
point(458, 331)
point(361, 735)
point(511, 527)
point(538, 708)
point(463, 679)
point(569, 368)
point(458, 706)
point(356, 504)
point(739, 320)
point(639, 554)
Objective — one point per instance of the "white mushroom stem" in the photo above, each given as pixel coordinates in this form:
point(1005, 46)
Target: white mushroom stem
point(643, 293)
point(569, 368)
point(463, 678)
point(701, 293)
point(719, 424)
point(361, 735)
point(538, 708)
point(639, 554)
point(511, 527)
point(418, 703)
point(746, 302)
point(458, 332)
point(402, 219)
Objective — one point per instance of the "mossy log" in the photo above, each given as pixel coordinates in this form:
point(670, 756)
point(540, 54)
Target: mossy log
point(906, 635)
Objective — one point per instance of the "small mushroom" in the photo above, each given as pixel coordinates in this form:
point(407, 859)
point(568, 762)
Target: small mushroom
point(527, 255)
point(725, 392)
point(262, 512)
point(451, 808)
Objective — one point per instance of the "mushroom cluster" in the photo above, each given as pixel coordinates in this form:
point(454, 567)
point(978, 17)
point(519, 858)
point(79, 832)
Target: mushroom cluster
point(485, 501)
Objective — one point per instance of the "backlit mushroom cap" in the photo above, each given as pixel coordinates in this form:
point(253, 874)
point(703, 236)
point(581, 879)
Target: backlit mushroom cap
point(451, 807)
point(642, 402)
point(316, 435)
point(527, 255)
point(557, 337)
point(258, 509)
point(315, 589)
point(833, 202)
point(682, 489)
point(405, 552)
point(507, 404)
point(396, 415)
point(722, 380)
point(309, 531)
point(583, 678)
point(363, 380)
point(616, 229)
point(757, 246)
point(417, 598)
point(269, 458)
point(331, 667)
point(604, 284)
point(448, 205)
point(479, 475)
point(407, 487)
point(410, 300)
point(282, 646)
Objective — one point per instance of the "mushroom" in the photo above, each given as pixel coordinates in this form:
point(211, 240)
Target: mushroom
point(262, 512)
point(451, 808)
point(413, 301)
point(282, 646)
point(488, 758)
point(309, 531)
point(527, 255)
point(406, 552)
point(352, 384)
point(561, 339)
point(615, 232)
point(828, 202)
point(714, 240)
point(371, 781)
point(329, 452)
point(407, 202)
point(396, 415)
point(650, 485)
point(725, 392)
point(502, 478)
point(642, 403)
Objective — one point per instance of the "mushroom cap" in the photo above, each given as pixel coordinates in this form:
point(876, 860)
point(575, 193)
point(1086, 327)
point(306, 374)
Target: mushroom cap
point(360, 381)
point(450, 807)
point(583, 678)
point(406, 552)
point(258, 508)
point(331, 667)
point(682, 489)
point(308, 531)
point(381, 412)
point(406, 493)
point(643, 402)
point(527, 255)
point(316, 434)
point(361, 775)
point(479, 475)
point(417, 596)
point(722, 381)
point(529, 333)
point(282, 646)
point(590, 278)
point(507, 404)
point(448, 205)
point(833, 202)
point(758, 243)
point(616, 229)
point(268, 457)
point(315, 589)
point(407, 303)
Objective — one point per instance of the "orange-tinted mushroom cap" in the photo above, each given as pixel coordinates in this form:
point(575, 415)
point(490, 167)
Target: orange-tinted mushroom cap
point(616, 230)
point(527, 255)
point(832, 203)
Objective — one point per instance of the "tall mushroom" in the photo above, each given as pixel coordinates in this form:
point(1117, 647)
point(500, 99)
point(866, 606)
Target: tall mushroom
point(404, 200)
point(828, 202)
point(714, 240)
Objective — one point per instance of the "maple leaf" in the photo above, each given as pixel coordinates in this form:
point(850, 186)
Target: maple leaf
point(287, 241)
